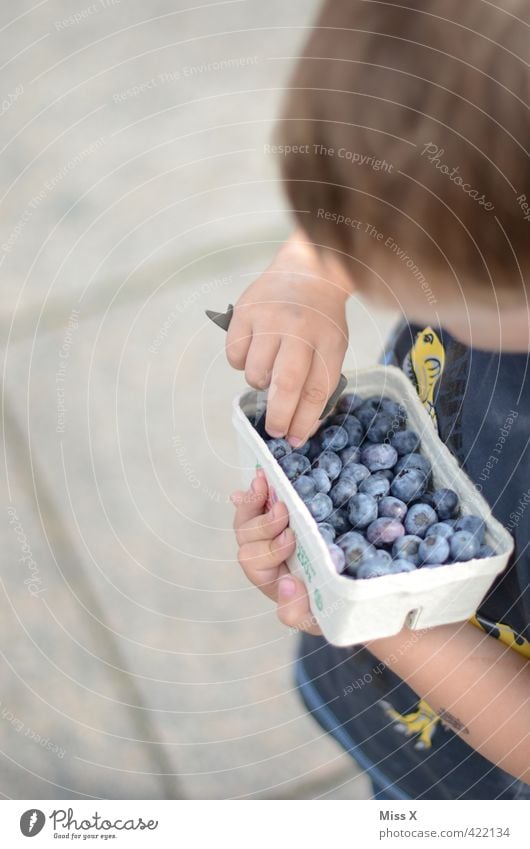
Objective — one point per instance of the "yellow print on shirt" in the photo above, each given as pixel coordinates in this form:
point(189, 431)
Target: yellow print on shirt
point(421, 722)
point(425, 364)
point(502, 632)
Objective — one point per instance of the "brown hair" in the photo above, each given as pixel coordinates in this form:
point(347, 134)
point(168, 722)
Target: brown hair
point(412, 118)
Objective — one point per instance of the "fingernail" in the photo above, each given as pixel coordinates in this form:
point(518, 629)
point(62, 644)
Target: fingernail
point(254, 486)
point(259, 472)
point(294, 441)
point(272, 495)
point(287, 587)
point(276, 434)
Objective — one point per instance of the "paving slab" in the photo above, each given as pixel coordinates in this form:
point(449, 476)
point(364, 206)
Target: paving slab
point(65, 693)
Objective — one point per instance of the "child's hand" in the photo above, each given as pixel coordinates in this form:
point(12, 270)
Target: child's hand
point(289, 332)
point(265, 541)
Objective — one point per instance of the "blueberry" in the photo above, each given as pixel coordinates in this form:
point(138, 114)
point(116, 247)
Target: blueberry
point(337, 418)
point(304, 449)
point(348, 402)
point(352, 426)
point(314, 448)
point(327, 532)
point(367, 410)
point(434, 549)
point(384, 531)
point(362, 510)
point(381, 428)
point(440, 529)
point(407, 548)
point(402, 565)
point(321, 479)
point(356, 548)
point(294, 465)
point(375, 567)
point(382, 555)
point(376, 485)
point(355, 471)
point(339, 521)
point(378, 456)
point(419, 518)
point(337, 557)
point(387, 474)
point(408, 484)
point(350, 454)
point(279, 448)
point(305, 486)
point(405, 442)
point(474, 525)
point(334, 438)
point(392, 507)
point(320, 506)
point(330, 462)
point(464, 546)
point(427, 498)
point(414, 461)
point(445, 502)
point(342, 491)
point(486, 551)
point(396, 410)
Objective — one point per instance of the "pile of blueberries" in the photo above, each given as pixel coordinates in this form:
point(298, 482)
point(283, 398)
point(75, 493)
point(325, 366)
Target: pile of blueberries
point(369, 489)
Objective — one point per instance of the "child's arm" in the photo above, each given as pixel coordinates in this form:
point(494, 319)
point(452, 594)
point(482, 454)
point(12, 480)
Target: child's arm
point(479, 687)
point(289, 332)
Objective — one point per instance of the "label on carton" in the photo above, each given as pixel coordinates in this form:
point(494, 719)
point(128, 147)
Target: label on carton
point(305, 562)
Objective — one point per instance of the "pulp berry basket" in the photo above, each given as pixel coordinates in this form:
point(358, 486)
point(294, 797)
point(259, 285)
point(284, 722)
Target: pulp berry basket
point(353, 611)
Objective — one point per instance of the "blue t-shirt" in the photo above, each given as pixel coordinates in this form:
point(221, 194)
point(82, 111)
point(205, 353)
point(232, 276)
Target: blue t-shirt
point(481, 404)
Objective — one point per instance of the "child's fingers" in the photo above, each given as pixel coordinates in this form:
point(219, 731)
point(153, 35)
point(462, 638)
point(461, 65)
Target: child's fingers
point(268, 583)
point(293, 605)
point(289, 373)
point(260, 560)
point(266, 554)
point(317, 388)
point(266, 526)
point(250, 503)
point(239, 338)
point(260, 359)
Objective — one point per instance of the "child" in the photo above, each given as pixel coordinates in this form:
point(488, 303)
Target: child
point(403, 154)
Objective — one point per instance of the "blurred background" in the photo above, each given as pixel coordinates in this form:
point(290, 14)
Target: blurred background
point(136, 191)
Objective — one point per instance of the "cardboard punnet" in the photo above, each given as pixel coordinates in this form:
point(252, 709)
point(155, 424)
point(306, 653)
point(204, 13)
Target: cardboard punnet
point(352, 611)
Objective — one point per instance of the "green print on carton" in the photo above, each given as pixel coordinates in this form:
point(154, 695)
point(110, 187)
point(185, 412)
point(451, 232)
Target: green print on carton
point(305, 563)
point(318, 600)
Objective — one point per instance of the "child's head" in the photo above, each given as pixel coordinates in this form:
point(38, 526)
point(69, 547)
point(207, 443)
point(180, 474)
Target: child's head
point(404, 140)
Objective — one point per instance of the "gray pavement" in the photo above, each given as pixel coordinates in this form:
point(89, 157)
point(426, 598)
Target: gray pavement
point(136, 660)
